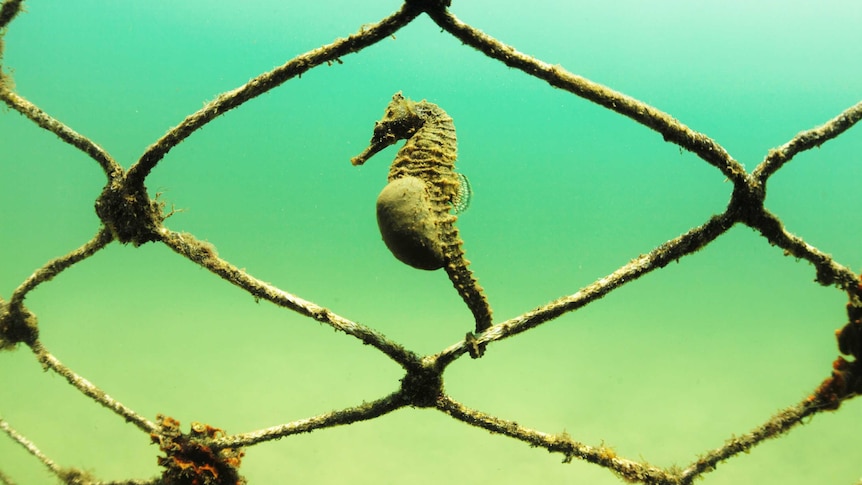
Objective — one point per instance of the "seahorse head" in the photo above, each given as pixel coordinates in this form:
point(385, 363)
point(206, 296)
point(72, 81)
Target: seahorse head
point(400, 121)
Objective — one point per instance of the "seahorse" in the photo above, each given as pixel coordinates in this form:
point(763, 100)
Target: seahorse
point(416, 210)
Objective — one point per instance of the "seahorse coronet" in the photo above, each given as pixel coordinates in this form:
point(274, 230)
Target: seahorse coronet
point(416, 210)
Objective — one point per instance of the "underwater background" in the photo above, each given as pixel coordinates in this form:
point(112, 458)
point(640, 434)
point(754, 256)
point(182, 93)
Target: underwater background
point(564, 192)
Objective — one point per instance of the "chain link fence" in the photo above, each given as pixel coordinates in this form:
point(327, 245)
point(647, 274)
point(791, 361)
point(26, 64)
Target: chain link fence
point(195, 452)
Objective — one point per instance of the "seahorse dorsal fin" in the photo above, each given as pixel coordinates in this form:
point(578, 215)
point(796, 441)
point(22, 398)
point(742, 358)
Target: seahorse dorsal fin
point(461, 200)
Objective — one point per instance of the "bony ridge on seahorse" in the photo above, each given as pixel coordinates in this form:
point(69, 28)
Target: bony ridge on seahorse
point(415, 209)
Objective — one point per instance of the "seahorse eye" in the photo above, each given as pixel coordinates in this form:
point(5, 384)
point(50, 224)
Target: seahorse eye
point(461, 201)
point(383, 134)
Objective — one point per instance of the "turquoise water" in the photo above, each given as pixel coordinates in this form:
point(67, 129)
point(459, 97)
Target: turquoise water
point(565, 192)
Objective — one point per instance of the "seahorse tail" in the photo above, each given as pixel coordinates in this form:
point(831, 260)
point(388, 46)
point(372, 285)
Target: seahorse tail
point(462, 278)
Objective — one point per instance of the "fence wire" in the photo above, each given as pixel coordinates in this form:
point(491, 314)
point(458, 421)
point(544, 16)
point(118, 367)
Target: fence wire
point(203, 454)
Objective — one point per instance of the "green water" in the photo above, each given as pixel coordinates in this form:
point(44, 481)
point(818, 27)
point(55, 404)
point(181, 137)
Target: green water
point(565, 192)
